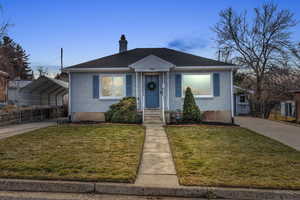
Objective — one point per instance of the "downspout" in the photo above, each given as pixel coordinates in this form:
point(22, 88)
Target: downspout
point(142, 98)
point(168, 95)
point(69, 98)
point(136, 90)
point(163, 98)
point(231, 92)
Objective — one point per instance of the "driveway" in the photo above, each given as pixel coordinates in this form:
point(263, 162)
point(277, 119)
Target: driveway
point(16, 129)
point(286, 134)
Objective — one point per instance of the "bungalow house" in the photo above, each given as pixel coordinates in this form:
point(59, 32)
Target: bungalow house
point(157, 77)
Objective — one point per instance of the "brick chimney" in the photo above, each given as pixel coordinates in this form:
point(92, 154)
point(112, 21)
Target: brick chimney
point(122, 44)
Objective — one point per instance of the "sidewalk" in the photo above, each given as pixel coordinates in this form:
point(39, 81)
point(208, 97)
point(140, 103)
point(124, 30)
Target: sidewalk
point(16, 129)
point(157, 166)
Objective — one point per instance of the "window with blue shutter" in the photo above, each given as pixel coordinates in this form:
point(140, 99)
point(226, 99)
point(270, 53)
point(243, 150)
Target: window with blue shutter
point(216, 80)
point(95, 86)
point(178, 89)
point(128, 85)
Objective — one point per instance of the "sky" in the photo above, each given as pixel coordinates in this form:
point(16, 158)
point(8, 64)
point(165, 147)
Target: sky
point(90, 29)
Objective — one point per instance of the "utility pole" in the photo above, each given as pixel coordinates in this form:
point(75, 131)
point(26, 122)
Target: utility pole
point(61, 59)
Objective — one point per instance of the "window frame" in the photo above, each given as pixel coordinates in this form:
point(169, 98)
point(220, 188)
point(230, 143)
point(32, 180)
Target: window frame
point(112, 75)
point(199, 96)
point(242, 102)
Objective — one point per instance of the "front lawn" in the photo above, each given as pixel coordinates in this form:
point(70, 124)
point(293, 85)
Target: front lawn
point(74, 152)
point(233, 157)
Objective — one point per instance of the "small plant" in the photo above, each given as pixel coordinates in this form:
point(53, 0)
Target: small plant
point(191, 112)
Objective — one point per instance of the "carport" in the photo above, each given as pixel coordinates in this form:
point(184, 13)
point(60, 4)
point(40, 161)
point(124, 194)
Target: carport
point(44, 91)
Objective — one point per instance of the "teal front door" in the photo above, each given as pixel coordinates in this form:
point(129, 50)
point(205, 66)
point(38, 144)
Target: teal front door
point(152, 91)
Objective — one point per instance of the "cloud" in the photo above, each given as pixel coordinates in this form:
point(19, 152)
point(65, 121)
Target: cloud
point(188, 44)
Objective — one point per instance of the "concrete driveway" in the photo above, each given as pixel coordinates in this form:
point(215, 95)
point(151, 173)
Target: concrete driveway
point(286, 134)
point(16, 129)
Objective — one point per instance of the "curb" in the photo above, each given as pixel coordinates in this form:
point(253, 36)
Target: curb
point(46, 186)
point(131, 189)
point(204, 192)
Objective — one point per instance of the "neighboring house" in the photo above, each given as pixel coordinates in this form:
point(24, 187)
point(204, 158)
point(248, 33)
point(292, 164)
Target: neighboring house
point(3, 87)
point(157, 77)
point(42, 91)
point(14, 88)
point(297, 100)
point(241, 101)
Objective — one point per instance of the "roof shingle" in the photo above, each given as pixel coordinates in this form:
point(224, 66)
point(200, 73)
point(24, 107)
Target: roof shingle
point(126, 58)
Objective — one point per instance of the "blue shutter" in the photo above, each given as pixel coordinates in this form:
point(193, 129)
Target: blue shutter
point(178, 89)
point(95, 87)
point(216, 80)
point(128, 85)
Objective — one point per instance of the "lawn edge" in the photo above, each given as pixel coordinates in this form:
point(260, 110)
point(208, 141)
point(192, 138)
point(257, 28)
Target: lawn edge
point(140, 155)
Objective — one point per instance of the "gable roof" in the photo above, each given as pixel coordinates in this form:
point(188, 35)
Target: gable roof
point(127, 58)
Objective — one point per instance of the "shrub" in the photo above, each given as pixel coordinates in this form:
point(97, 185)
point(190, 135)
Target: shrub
point(191, 112)
point(123, 112)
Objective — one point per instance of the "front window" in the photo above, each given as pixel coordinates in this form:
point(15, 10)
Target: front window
point(112, 86)
point(199, 83)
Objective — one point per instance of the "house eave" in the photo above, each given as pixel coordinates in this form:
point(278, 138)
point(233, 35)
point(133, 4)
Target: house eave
point(127, 69)
point(102, 69)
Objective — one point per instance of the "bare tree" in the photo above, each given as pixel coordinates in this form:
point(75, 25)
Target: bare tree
point(42, 71)
point(257, 44)
point(296, 53)
point(3, 25)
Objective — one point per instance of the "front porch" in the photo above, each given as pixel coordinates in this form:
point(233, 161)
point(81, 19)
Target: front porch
point(152, 76)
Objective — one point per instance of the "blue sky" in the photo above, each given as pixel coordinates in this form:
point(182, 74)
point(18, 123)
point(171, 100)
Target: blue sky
point(89, 29)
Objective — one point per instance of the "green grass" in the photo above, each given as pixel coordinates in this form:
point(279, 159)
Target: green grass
point(232, 157)
point(74, 152)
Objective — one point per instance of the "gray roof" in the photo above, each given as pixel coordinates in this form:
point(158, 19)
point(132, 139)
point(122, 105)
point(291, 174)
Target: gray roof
point(126, 58)
point(46, 84)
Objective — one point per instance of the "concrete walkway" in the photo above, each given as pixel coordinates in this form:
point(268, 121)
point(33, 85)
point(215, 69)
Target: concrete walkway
point(157, 166)
point(16, 129)
point(286, 134)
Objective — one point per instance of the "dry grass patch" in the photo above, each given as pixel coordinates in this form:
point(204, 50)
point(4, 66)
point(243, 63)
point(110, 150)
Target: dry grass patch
point(74, 152)
point(232, 157)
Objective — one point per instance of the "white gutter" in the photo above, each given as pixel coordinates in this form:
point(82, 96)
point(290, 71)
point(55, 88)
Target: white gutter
point(106, 69)
point(126, 69)
point(182, 68)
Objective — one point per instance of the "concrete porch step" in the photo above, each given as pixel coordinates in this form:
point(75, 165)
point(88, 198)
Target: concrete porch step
point(152, 111)
point(152, 114)
point(152, 121)
point(152, 117)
